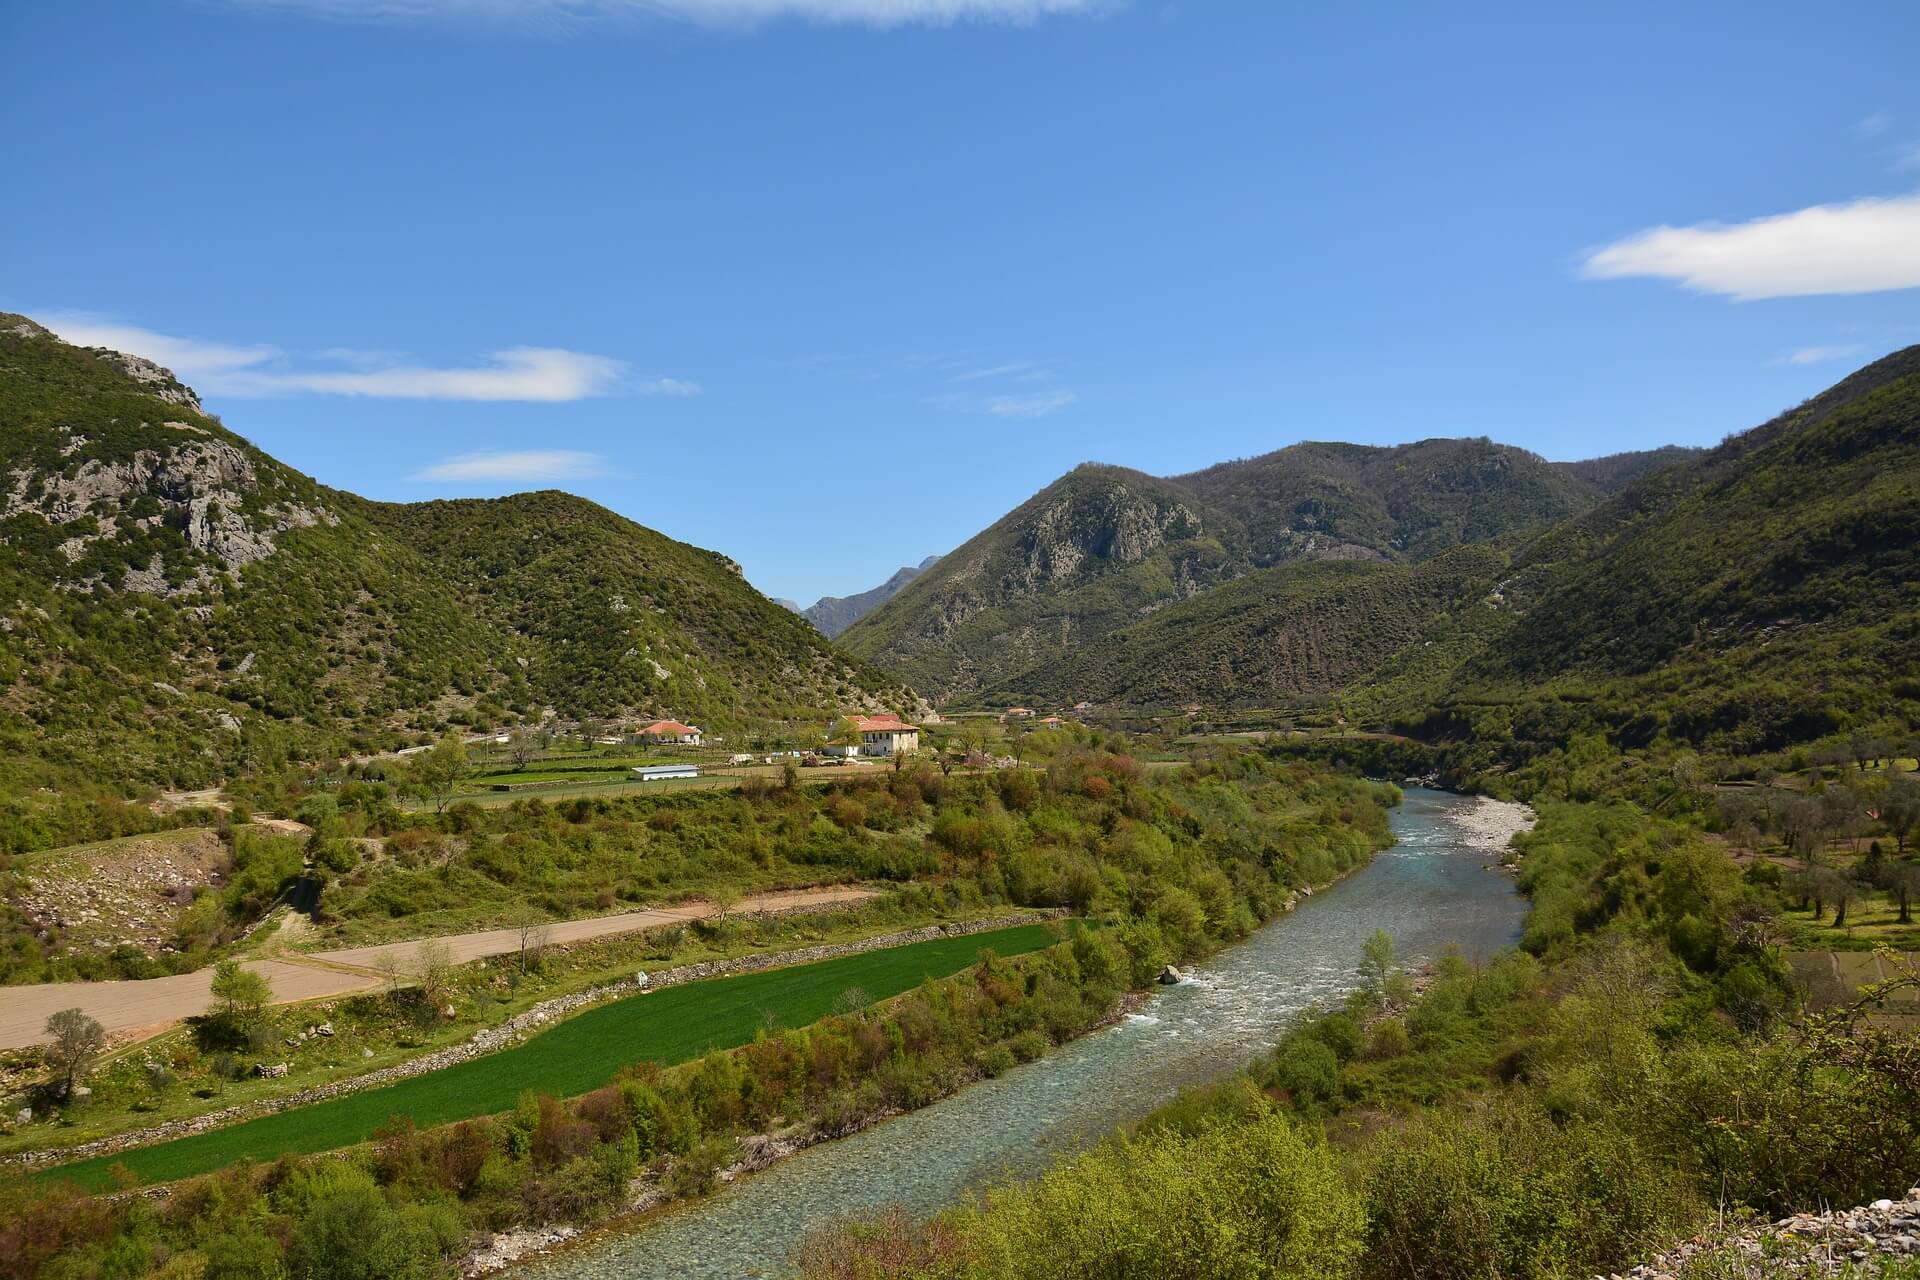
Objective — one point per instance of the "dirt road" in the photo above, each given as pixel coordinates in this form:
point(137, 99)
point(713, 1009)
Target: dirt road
point(151, 1005)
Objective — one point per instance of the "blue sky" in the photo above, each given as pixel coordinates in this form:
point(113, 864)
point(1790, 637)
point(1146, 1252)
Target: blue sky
point(829, 285)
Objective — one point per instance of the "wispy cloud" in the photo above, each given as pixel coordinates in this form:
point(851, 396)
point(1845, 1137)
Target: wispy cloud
point(538, 374)
point(1038, 405)
point(516, 467)
point(1866, 246)
point(1872, 126)
point(994, 371)
point(1820, 355)
point(1907, 156)
point(561, 14)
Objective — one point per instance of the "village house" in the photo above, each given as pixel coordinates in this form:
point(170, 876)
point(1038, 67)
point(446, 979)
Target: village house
point(886, 735)
point(1051, 722)
point(671, 731)
point(1018, 713)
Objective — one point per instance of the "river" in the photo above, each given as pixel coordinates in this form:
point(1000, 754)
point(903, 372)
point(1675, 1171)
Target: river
point(1431, 890)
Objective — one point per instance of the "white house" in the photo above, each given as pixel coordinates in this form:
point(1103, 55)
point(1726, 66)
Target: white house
point(886, 735)
point(671, 731)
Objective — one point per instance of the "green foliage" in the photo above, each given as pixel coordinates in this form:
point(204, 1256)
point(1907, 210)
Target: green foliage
point(1263, 1199)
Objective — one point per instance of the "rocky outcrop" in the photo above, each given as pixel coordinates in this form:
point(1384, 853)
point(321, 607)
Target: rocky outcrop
point(204, 487)
point(1817, 1244)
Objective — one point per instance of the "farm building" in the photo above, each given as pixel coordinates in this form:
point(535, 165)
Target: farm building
point(661, 772)
point(1018, 713)
point(671, 731)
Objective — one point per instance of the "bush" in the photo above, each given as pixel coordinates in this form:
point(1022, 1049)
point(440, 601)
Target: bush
point(1231, 1203)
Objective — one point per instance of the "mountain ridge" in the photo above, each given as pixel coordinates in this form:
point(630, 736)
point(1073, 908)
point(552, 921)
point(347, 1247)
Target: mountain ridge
point(179, 603)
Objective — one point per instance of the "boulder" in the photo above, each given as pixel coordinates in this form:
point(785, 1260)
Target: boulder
point(23, 1116)
point(1169, 976)
point(324, 1029)
point(270, 1070)
point(80, 1095)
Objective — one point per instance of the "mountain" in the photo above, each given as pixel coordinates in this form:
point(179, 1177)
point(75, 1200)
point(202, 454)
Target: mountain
point(1746, 598)
point(1762, 593)
point(1104, 547)
point(1093, 551)
point(1611, 474)
point(834, 614)
point(1298, 631)
point(175, 602)
point(1408, 502)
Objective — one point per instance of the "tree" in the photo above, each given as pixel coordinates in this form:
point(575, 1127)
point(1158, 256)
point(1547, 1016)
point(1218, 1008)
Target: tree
point(240, 996)
point(845, 733)
point(433, 965)
point(1900, 810)
point(76, 1041)
point(522, 747)
point(535, 934)
point(1902, 880)
point(1376, 960)
point(437, 771)
point(724, 898)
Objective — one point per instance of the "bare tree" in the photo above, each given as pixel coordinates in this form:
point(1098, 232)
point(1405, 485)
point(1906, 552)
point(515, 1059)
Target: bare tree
point(433, 965)
point(522, 748)
point(77, 1043)
point(535, 936)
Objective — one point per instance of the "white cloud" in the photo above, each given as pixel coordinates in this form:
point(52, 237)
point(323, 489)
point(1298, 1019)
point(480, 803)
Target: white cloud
point(181, 355)
point(1874, 125)
point(720, 13)
point(516, 467)
point(1863, 247)
point(540, 374)
point(545, 374)
point(994, 371)
point(1820, 355)
point(1038, 405)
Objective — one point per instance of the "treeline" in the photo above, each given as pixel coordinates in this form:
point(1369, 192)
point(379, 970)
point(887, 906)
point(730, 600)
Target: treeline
point(1627, 1074)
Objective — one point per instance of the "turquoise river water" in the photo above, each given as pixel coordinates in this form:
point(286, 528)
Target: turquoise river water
point(1431, 890)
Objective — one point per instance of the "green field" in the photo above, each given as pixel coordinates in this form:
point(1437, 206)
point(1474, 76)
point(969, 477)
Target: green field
point(669, 1026)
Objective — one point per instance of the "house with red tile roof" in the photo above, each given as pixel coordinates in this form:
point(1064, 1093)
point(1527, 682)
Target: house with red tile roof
point(886, 735)
point(671, 731)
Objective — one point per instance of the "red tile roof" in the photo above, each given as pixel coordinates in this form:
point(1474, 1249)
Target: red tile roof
point(663, 727)
point(883, 724)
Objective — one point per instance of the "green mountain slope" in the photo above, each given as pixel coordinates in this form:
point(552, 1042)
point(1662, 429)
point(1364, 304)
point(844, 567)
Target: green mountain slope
point(1097, 549)
point(1764, 593)
point(1408, 502)
point(175, 604)
point(1104, 547)
point(1278, 635)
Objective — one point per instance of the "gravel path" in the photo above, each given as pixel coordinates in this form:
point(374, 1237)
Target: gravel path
point(134, 1009)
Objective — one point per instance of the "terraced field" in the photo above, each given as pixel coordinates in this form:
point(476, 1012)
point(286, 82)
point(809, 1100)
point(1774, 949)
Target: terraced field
point(669, 1026)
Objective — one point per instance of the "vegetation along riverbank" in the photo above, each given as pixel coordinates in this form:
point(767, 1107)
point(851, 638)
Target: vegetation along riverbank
point(1175, 862)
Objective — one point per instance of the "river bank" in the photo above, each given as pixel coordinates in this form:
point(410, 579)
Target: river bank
point(1430, 890)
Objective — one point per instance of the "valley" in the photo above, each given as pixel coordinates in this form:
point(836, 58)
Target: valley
point(362, 912)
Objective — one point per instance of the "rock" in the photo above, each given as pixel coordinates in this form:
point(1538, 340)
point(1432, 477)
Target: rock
point(366, 1053)
point(324, 1029)
point(1171, 976)
point(23, 1116)
point(640, 979)
point(270, 1071)
point(80, 1095)
point(449, 1013)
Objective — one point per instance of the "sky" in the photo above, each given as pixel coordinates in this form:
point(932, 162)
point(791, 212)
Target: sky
point(831, 285)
